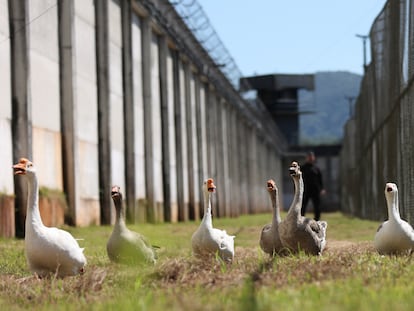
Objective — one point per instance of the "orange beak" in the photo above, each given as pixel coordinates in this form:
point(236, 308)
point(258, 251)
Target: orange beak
point(210, 185)
point(20, 168)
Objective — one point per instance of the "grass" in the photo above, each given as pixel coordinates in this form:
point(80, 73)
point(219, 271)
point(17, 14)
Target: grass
point(349, 276)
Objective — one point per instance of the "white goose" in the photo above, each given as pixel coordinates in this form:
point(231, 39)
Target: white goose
point(48, 250)
point(394, 235)
point(207, 240)
point(124, 245)
point(298, 233)
point(269, 237)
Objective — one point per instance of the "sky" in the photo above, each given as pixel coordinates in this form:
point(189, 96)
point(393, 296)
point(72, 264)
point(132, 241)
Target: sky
point(295, 36)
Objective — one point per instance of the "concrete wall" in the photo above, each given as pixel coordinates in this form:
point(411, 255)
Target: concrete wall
point(86, 118)
point(116, 109)
point(108, 95)
point(6, 180)
point(139, 134)
point(44, 93)
point(172, 146)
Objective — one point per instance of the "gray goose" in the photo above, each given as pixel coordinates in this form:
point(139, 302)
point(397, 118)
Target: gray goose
point(297, 232)
point(270, 241)
point(126, 246)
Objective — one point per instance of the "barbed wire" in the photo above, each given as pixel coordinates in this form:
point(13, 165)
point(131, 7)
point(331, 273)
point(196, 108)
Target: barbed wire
point(29, 22)
point(198, 22)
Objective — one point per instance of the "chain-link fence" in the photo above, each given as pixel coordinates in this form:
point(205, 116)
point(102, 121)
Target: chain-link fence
point(378, 142)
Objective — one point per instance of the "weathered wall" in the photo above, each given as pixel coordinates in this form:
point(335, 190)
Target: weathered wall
point(44, 93)
point(86, 209)
point(6, 180)
point(123, 86)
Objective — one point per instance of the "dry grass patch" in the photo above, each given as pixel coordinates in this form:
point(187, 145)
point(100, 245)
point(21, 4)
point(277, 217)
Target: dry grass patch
point(349, 274)
point(190, 272)
point(341, 260)
point(33, 291)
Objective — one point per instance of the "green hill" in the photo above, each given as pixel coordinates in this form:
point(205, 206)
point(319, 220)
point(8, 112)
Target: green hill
point(326, 109)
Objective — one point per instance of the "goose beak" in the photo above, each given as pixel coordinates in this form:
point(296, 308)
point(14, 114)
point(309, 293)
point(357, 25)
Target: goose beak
point(19, 169)
point(294, 169)
point(211, 189)
point(210, 185)
point(115, 191)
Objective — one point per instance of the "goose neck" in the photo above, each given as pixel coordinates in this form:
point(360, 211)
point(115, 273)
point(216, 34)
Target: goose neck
point(393, 209)
point(33, 218)
point(207, 220)
point(119, 213)
point(274, 197)
point(296, 205)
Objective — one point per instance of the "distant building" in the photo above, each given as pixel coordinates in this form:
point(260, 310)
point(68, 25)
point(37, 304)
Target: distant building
point(279, 93)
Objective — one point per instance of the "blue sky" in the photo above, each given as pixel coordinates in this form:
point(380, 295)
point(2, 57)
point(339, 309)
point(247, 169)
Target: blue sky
point(295, 36)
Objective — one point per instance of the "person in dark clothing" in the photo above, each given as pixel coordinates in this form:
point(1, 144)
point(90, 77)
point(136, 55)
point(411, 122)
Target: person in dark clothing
point(313, 185)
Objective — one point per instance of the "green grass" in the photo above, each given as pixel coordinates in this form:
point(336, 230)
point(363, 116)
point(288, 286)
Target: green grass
point(349, 276)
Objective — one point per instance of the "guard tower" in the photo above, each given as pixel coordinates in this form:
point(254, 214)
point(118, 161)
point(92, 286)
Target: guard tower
point(279, 93)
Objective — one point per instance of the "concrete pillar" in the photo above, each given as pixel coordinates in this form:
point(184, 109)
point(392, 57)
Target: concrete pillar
point(182, 215)
point(253, 167)
point(172, 150)
point(139, 128)
point(181, 118)
point(104, 147)
point(220, 165)
point(166, 176)
point(234, 160)
point(21, 109)
point(226, 181)
point(67, 107)
point(129, 122)
point(189, 121)
point(193, 120)
point(243, 166)
point(201, 121)
point(212, 137)
point(118, 131)
point(146, 88)
point(221, 158)
point(209, 134)
point(152, 120)
point(229, 148)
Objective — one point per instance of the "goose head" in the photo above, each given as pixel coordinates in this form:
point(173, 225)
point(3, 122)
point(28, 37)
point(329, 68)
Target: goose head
point(24, 167)
point(391, 192)
point(391, 196)
point(294, 170)
point(116, 194)
point(390, 189)
point(271, 186)
point(209, 186)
